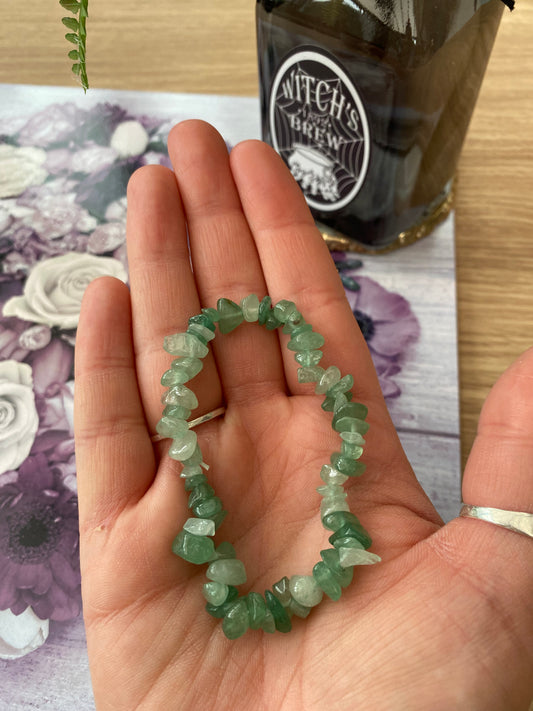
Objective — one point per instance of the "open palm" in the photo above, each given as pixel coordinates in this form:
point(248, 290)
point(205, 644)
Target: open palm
point(443, 622)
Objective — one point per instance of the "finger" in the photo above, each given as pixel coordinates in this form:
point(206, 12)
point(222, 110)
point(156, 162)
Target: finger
point(499, 471)
point(113, 450)
point(224, 256)
point(163, 290)
point(297, 264)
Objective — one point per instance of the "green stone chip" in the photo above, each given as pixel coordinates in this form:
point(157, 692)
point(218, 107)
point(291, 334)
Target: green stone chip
point(281, 617)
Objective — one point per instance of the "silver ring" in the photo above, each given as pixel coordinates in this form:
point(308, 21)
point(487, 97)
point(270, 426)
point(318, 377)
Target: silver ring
point(198, 421)
point(517, 521)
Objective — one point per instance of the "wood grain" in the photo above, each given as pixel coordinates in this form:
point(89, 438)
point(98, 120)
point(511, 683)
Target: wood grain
point(207, 47)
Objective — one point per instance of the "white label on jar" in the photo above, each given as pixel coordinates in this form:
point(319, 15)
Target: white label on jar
point(319, 127)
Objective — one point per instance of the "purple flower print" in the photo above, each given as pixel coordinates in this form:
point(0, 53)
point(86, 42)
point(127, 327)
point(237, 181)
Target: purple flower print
point(157, 158)
point(86, 160)
point(11, 348)
point(39, 551)
point(385, 318)
point(98, 124)
point(387, 323)
point(107, 237)
point(386, 369)
point(54, 400)
point(54, 210)
point(64, 174)
point(98, 190)
point(51, 126)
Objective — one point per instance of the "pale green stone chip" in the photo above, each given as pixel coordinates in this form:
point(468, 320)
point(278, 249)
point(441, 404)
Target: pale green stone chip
point(230, 571)
point(295, 322)
point(182, 396)
point(305, 590)
point(357, 556)
point(342, 386)
point(308, 358)
point(353, 438)
point(250, 308)
point(309, 374)
point(200, 526)
point(184, 447)
point(171, 427)
point(351, 450)
point(185, 344)
point(328, 506)
point(330, 376)
point(284, 310)
point(173, 377)
point(330, 475)
point(188, 366)
point(191, 470)
point(307, 341)
point(332, 491)
point(177, 412)
point(215, 593)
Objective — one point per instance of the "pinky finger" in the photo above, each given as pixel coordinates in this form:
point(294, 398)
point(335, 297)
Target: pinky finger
point(114, 454)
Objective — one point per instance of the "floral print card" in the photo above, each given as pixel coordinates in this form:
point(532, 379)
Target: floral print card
point(65, 160)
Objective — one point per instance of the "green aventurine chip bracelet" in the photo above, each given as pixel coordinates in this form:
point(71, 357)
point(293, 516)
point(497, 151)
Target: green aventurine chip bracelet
point(349, 540)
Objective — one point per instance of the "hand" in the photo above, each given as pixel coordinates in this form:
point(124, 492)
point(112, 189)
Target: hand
point(444, 622)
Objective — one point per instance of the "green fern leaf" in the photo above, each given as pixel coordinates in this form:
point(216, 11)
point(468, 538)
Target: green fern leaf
point(77, 36)
point(71, 23)
point(70, 5)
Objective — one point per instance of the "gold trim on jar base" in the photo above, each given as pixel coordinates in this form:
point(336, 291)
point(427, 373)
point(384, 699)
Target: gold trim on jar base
point(338, 242)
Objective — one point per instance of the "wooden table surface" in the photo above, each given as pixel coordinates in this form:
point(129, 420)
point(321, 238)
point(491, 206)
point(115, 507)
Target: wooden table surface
point(207, 47)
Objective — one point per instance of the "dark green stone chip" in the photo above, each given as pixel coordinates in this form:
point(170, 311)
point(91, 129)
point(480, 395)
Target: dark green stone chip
point(193, 548)
point(200, 493)
point(281, 618)
point(344, 576)
point(208, 508)
point(204, 320)
point(347, 465)
point(256, 609)
point(264, 310)
point(351, 530)
point(326, 580)
point(351, 409)
point(193, 481)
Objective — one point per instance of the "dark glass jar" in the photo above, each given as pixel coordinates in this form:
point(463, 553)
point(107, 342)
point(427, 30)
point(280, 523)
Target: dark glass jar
point(368, 102)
